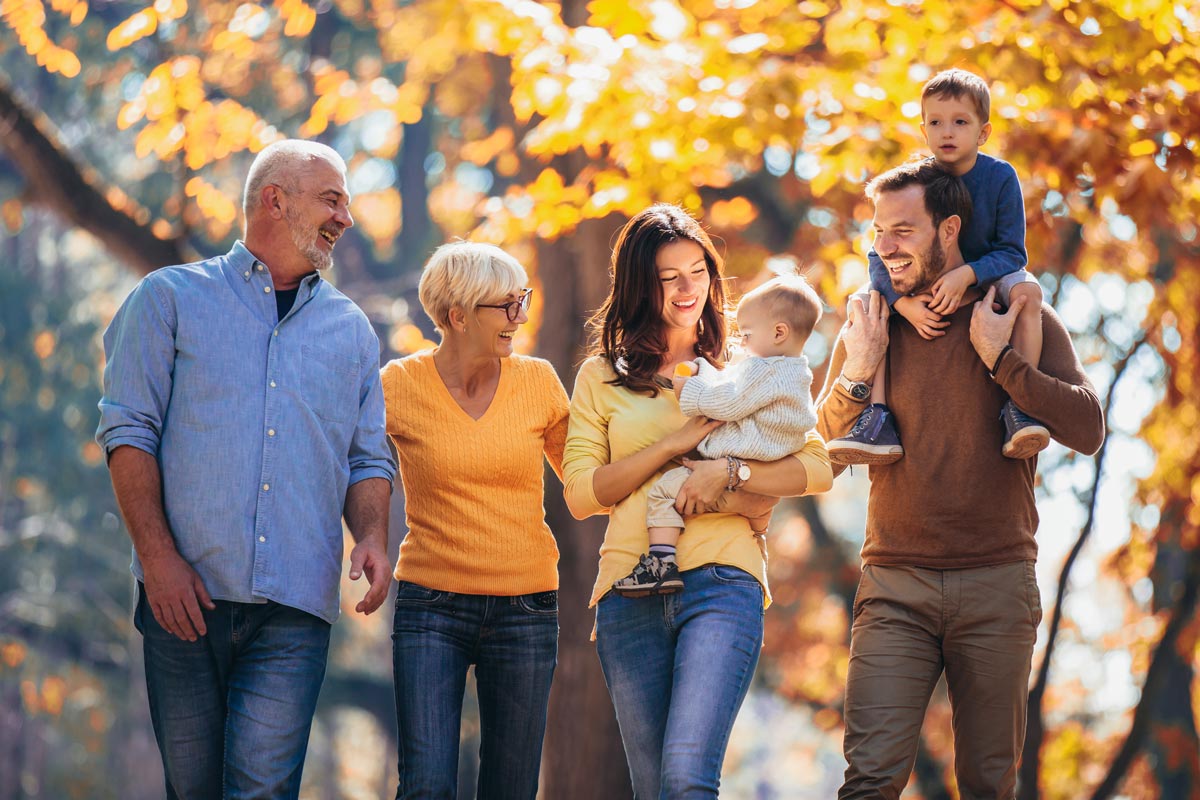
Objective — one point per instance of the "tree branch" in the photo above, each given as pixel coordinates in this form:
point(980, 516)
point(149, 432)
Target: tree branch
point(1155, 676)
point(1035, 731)
point(56, 182)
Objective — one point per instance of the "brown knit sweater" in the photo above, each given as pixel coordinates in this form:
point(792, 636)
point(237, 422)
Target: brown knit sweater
point(953, 501)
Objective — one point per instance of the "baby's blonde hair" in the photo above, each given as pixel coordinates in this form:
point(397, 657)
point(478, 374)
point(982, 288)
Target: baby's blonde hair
point(790, 299)
point(465, 274)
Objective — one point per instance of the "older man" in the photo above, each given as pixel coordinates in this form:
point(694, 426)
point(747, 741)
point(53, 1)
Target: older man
point(243, 418)
point(948, 562)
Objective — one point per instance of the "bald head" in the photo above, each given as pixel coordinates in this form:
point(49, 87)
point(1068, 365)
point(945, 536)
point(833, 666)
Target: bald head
point(281, 164)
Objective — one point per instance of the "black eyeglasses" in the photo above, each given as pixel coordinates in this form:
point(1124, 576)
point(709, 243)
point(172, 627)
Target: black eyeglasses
point(513, 309)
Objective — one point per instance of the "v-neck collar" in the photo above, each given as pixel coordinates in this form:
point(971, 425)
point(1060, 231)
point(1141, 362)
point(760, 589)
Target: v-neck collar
point(501, 383)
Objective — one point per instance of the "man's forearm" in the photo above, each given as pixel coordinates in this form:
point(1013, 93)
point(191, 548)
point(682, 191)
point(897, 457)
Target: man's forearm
point(366, 510)
point(137, 483)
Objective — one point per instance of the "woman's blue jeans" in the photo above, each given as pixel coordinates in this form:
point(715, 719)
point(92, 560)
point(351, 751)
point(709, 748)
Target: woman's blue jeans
point(513, 643)
point(678, 667)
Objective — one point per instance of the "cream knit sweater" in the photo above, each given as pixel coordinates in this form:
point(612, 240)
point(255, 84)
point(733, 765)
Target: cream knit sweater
point(766, 404)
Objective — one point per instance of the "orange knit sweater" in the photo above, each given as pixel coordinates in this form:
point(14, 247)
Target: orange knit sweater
point(473, 488)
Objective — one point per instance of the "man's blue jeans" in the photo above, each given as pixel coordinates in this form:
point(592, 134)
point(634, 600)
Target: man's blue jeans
point(513, 643)
point(232, 710)
point(678, 667)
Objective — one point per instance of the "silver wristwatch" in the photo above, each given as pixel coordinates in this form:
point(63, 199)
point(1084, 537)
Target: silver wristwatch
point(856, 389)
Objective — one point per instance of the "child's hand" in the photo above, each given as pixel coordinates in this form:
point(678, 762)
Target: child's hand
point(948, 290)
point(916, 310)
point(683, 371)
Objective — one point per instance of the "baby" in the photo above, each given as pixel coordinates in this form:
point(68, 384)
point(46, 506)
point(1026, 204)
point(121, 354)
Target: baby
point(765, 402)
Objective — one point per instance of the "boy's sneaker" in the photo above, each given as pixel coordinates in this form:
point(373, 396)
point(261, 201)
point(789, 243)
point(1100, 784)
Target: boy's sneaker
point(1024, 436)
point(872, 440)
point(652, 575)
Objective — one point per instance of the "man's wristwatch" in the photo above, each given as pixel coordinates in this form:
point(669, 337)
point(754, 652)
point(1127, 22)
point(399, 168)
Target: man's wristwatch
point(857, 389)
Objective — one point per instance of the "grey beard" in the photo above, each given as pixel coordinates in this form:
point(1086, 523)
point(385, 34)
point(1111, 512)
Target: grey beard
point(303, 239)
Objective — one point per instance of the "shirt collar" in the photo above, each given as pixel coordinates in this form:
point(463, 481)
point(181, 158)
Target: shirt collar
point(245, 265)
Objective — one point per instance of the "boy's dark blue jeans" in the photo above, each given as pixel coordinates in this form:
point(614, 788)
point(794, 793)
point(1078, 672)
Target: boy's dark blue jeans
point(232, 710)
point(513, 643)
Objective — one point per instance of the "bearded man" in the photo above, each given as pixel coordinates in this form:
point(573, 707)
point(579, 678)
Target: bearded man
point(242, 418)
point(948, 581)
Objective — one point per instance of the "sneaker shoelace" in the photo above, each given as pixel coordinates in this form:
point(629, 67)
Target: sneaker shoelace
point(869, 422)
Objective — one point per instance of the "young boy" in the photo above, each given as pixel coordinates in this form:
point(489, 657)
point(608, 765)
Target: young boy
point(955, 106)
point(765, 401)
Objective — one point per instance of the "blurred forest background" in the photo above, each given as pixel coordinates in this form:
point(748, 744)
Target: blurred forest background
point(126, 130)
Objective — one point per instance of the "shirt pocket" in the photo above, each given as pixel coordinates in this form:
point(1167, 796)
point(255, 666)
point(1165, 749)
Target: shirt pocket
point(330, 386)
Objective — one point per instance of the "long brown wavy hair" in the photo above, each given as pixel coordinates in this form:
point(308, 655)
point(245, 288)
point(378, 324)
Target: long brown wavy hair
point(628, 329)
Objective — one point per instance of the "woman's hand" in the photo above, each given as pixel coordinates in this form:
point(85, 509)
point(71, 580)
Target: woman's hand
point(703, 488)
point(691, 434)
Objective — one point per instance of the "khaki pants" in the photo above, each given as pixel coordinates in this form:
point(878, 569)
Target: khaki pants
point(660, 502)
point(979, 626)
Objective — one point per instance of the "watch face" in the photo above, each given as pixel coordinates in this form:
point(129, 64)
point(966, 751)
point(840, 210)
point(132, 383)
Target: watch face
point(860, 391)
point(744, 472)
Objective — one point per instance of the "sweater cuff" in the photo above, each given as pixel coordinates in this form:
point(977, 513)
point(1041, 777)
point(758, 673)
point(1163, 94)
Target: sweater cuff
point(689, 398)
point(995, 368)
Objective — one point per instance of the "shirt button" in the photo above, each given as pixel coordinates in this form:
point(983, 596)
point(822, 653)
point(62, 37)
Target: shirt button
point(262, 538)
point(274, 333)
point(270, 431)
point(266, 289)
point(246, 273)
point(258, 267)
point(272, 384)
point(266, 487)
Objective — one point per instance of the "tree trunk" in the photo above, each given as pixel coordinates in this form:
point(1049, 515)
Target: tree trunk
point(416, 226)
point(583, 757)
point(1163, 726)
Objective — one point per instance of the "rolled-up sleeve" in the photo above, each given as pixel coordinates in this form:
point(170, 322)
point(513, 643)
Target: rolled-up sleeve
point(815, 458)
point(587, 442)
point(370, 456)
point(139, 348)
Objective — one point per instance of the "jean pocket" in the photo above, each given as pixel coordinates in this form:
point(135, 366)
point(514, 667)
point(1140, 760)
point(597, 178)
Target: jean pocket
point(1033, 595)
point(416, 594)
point(733, 575)
point(539, 603)
point(860, 594)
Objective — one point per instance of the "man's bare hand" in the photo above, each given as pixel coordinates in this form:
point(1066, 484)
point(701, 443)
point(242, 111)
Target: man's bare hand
point(369, 558)
point(865, 337)
point(990, 330)
point(176, 594)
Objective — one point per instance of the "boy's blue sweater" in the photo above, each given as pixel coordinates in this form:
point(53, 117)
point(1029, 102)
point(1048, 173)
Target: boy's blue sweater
point(993, 243)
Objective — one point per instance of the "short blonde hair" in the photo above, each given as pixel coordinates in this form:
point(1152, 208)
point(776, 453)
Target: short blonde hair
point(465, 274)
point(790, 299)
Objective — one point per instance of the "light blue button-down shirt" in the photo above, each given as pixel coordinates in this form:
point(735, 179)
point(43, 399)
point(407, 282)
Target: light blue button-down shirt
point(259, 424)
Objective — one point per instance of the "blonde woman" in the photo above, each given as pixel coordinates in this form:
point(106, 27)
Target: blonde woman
point(478, 569)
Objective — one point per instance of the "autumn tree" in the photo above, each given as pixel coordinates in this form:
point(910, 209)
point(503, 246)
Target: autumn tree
point(540, 126)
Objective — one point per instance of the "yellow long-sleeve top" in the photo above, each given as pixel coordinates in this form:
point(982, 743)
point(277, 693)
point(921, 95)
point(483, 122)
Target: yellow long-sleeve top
point(473, 488)
point(609, 423)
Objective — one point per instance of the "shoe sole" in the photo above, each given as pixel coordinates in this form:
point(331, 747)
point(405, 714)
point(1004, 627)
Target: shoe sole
point(1026, 443)
point(666, 587)
point(871, 455)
